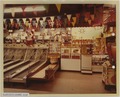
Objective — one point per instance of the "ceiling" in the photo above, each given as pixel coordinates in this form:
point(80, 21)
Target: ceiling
point(52, 9)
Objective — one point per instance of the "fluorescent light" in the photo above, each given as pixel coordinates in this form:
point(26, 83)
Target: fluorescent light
point(9, 10)
point(27, 9)
point(37, 8)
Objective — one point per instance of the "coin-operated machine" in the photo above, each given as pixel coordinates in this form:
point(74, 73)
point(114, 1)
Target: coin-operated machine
point(109, 66)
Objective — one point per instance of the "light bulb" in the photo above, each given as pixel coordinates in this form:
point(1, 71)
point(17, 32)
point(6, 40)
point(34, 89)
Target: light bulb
point(113, 34)
point(113, 67)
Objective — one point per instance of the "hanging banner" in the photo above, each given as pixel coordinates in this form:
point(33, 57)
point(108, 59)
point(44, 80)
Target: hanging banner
point(69, 17)
point(74, 21)
point(58, 7)
point(23, 9)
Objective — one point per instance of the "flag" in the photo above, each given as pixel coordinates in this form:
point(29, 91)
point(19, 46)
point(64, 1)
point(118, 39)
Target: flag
point(58, 7)
point(69, 17)
point(44, 19)
point(89, 22)
point(37, 19)
point(24, 20)
point(74, 21)
point(23, 9)
point(35, 12)
point(52, 18)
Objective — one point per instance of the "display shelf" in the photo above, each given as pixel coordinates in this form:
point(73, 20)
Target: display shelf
point(54, 47)
point(97, 61)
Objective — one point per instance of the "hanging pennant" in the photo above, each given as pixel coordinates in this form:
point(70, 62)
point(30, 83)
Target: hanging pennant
point(41, 18)
point(92, 17)
point(37, 19)
point(13, 12)
point(58, 17)
point(89, 22)
point(52, 18)
point(17, 20)
point(24, 20)
point(44, 24)
point(74, 21)
point(58, 7)
point(30, 20)
point(41, 23)
point(44, 19)
point(69, 23)
point(69, 17)
point(11, 20)
point(23, 9)
point(34, 12)
point(52, 23)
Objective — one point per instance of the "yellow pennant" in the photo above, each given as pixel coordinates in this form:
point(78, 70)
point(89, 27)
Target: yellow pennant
point(89, 22)
point(74, 21)
point(58, 7)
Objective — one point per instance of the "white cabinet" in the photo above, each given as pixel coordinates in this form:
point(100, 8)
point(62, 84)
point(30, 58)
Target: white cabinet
point(70, 64)
point(70, 59)
point(86, 64)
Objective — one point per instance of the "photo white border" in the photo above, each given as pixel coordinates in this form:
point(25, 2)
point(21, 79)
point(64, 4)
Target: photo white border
point(2, 2)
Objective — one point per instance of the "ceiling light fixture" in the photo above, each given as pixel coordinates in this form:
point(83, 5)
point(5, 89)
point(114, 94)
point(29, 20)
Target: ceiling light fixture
point(27, 9)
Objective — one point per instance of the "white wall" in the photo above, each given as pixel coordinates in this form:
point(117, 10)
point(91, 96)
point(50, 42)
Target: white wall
point(86, 32)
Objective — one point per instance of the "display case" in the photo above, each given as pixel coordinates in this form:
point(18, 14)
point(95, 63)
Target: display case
point(109, 75)
point(97, 61)
point(65, 53)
